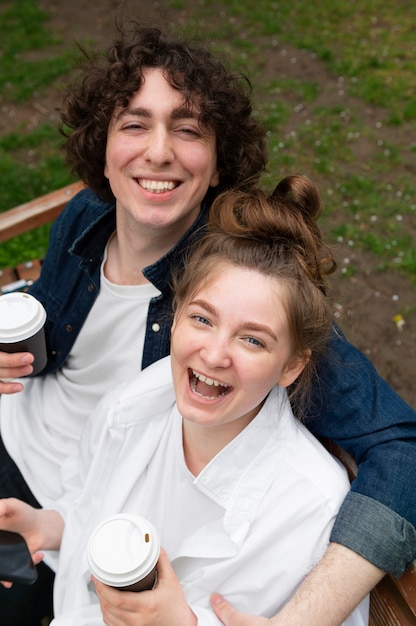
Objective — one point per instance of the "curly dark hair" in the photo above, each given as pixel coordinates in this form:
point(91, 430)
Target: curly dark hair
point(109, 82)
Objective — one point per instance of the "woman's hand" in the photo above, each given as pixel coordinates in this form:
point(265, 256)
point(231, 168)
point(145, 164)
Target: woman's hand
point(42, 529)
point(19, 517)
point(165, 605)
point(14, 366)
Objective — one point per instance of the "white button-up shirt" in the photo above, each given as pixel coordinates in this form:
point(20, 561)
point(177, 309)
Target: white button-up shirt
point(250, 526)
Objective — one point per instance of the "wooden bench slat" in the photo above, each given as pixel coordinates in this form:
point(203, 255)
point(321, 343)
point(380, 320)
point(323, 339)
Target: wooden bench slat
point(393, 602)
point(37, 212)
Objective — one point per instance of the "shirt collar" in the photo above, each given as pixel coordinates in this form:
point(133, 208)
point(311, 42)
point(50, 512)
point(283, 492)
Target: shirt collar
point(240, 475)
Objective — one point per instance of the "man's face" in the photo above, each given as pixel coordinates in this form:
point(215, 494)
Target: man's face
point(159, 161)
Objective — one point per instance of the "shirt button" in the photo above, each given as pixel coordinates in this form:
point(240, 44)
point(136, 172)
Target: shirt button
point(90, 288)
point(155, 328)
point(68, 328)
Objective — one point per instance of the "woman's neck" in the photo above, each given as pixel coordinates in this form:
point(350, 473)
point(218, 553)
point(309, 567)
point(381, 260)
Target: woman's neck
point(202, 443)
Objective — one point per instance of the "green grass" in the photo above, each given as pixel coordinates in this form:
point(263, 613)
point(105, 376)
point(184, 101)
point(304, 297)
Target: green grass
point(363, 164)
point(24, 35)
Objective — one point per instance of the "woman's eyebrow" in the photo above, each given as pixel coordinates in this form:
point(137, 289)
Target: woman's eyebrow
point(205, 305)
point(262, 328)
point(247, 326)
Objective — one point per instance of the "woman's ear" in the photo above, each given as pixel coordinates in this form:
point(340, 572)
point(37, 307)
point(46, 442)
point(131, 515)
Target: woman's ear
point(293, 368)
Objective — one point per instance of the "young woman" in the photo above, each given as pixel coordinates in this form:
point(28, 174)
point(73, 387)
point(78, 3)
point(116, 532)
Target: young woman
point(204, 443)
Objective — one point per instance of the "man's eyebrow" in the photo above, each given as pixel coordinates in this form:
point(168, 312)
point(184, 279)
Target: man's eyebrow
point(137, 112)
point(178, 113)
point(184, 112)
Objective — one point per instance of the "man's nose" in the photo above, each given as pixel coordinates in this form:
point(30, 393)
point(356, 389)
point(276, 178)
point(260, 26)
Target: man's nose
point(159, 149)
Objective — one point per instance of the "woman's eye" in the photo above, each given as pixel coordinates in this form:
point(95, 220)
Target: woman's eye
point(200, 319)
point(255, 342)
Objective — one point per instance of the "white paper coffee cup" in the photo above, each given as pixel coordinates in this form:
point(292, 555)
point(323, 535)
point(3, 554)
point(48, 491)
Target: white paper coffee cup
point(123, 551)
point(22, 320)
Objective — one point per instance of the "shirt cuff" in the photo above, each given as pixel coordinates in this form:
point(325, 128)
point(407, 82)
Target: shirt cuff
point(375, 532)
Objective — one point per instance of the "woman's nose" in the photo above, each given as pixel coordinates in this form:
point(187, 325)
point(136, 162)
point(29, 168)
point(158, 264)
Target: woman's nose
point(216, 353)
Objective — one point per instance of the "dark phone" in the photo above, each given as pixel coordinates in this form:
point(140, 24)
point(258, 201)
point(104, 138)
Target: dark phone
point(16, 564)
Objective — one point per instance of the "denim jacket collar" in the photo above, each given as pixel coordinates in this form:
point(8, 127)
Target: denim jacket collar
point(90, 245)
point(159, 273)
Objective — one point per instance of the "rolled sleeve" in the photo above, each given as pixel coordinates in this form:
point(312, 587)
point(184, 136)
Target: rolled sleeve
point(376, 532)
point(354, 407)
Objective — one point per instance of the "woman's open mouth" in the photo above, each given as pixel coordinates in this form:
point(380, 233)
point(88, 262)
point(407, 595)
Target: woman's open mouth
point(207, 387)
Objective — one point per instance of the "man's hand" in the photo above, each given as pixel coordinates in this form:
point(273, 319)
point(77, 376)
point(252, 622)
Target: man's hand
point(325, 598)
point(231, 617)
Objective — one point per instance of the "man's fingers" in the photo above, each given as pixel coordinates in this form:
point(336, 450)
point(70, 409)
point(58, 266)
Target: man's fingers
point(223, 610)
point(229, 616)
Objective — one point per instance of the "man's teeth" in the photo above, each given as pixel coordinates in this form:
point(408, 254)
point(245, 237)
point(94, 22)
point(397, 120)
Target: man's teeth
point(157, 186)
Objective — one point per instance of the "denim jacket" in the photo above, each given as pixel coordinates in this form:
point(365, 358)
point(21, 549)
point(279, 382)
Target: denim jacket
point(351, 405)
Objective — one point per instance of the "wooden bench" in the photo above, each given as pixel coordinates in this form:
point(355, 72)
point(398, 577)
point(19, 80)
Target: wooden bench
point(393, 602)
point(26, 217)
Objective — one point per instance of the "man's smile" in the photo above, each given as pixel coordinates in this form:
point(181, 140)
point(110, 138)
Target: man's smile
point(157, 186)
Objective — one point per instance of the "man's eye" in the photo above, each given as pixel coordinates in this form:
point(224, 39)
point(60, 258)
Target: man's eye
point(132, 126)
point(192, 132)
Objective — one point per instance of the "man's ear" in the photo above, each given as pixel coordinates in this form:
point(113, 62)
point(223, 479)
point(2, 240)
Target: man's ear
point(293, 368)
point(215, 179)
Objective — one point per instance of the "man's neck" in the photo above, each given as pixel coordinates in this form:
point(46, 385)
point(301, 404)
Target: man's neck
point(125, 263)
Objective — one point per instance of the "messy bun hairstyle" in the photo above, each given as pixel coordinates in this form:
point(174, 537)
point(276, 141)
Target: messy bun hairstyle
point(276, 235)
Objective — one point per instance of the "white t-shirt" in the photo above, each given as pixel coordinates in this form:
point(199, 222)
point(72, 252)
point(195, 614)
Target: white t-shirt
point(42, 425)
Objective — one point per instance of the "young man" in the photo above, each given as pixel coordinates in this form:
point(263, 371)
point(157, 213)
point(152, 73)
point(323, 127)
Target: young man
point(158, 129)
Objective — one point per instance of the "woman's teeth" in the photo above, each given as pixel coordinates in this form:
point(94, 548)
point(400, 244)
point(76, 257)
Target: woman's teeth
point(208, 387)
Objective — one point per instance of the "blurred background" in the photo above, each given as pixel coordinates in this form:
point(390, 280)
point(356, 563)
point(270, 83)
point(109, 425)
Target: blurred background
point(334, 84)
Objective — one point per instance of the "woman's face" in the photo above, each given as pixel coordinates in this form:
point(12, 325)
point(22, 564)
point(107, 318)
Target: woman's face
point(230, 346)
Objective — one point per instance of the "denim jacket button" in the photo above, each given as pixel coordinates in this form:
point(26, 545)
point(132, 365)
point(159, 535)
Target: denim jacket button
point(156, 328)
point(68, 328)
